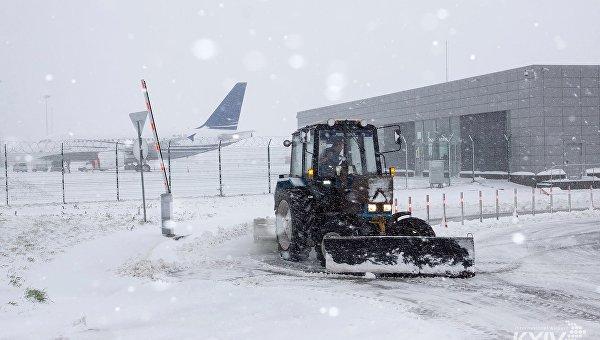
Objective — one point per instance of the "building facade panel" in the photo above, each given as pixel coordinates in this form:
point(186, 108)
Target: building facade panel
point(547, 109)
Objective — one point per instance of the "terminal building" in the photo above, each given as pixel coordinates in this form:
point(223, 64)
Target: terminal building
point(528, 120)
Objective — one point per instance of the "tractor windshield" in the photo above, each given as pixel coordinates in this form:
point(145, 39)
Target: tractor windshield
point(356, 148)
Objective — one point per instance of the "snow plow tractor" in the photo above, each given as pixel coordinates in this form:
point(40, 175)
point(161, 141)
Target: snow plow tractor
point(339, 200)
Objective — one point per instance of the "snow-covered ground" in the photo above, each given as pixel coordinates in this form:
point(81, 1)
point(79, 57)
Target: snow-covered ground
point(107, 275)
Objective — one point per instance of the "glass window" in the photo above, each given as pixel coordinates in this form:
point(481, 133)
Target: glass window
point(296, 166)
point(308, 154)
point(357, 148)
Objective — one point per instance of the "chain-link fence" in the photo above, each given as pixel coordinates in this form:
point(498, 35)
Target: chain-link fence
point(250, 166)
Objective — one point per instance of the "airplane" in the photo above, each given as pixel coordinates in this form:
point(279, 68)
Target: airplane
point(199, 140)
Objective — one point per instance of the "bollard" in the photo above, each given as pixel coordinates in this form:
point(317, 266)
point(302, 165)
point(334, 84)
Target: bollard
point(497, 206)
point(569, 197)
point(220, 172)
point(480, 207)
point(551, 201)
point(462, 209)
point(533, 201)
point(410, 205)
point(166, 213)
point(516, 212)
point(6, 173)
point(445, 221)
point(117, 167)
point(62, 168)
point(269, 164)
point(427, 205)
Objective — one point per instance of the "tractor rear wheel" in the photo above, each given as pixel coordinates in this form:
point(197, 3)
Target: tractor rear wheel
point(291, 240)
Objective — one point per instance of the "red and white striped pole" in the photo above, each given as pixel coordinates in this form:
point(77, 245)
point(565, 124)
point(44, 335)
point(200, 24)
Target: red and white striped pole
point(462, 209)
point(427, 205)
point(445, 221)
point(410, 205)
point(395, 205)
point(153, 127)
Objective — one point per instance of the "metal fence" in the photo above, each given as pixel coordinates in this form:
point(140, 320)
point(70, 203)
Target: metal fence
point(248, 167)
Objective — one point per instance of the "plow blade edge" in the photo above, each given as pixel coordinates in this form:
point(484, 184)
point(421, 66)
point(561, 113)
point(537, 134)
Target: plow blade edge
point(416, 255)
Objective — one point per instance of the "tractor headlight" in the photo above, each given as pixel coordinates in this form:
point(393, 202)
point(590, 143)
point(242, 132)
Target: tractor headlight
point(387, 207)
point(372, 207)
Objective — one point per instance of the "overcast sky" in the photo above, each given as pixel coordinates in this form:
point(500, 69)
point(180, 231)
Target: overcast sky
point(89, 56)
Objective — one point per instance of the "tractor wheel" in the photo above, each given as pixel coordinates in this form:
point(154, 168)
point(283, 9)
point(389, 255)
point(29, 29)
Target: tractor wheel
point(291, 240)
point(411, 226)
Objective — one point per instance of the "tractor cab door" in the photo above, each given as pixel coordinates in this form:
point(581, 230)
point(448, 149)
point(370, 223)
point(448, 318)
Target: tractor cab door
point(296, 159)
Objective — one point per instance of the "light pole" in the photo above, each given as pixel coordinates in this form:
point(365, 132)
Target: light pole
point(46, 97)
point(473, 158)
point(405, 162)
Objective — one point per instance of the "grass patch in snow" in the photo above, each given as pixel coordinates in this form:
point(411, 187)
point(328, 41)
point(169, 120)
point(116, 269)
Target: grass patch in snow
point(38, 295)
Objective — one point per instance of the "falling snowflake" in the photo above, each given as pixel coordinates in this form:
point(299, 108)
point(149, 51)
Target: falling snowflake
point(296, 61)
point(518, 238)
point(336, 82)
point(333, 311)
point(560, 43)
point(442, 13)
point(254, 61)
point(472, 57)
point(204, 49)
point(49, 77)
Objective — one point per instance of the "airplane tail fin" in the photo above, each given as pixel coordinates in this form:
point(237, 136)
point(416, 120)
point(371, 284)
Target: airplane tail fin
point(227, 114)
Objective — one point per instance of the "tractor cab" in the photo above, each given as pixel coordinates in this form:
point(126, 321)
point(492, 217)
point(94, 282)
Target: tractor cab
point(324, 152)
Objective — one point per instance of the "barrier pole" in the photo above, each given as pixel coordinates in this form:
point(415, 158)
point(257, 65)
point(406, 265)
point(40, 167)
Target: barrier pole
point(480, 207)
point(462, 209)
point(395, 205)
point(533, 201)
point(6, 173)
point(220, 173)
point(497, 206)
point(516, 212)
point(427, 204)
point(591, 197)
point(444, 206)
point(117, 167)
point(551, 201)
point(569, 197)
point(62, 155)
point(269, 164)
point(410, 205)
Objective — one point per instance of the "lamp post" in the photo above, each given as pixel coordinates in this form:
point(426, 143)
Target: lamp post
point(46, 97)
point(473, 158)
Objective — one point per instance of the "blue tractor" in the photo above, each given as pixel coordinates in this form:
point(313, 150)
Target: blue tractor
point(338, 199)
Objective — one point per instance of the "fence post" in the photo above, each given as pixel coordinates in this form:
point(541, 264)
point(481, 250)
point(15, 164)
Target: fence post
point(480, 207)
point(6, 173)
point(427, 204)
point(117, 167)
point(62, 155)
point(462, 208)
point(533, 201)
point(569, 192)
point(516, 212)
point(269, 164)
point(220, 172)
point(497, 206)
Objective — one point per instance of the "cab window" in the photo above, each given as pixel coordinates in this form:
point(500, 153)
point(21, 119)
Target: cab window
point(296, 166)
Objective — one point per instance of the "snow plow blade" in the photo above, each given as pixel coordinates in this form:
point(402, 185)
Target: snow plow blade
point(409, 255)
